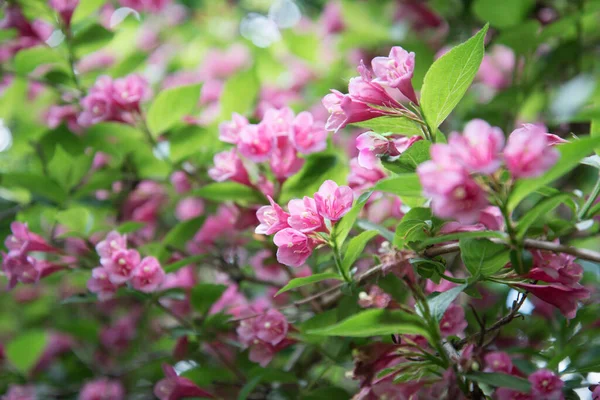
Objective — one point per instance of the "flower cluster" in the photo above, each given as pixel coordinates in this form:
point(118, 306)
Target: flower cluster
point(279, 139)
point(264, 335)
point(29, 33)
point(120, 265)
point(449, 177)
point(19, 264)
point(373, 93)
point(296, 231)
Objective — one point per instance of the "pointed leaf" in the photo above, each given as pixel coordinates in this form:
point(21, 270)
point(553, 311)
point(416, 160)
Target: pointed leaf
point(355, 248)
point(170, 106)
point(298, 282)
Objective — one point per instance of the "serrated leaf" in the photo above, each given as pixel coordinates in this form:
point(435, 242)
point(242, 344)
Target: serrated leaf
point(388, 124)
point(483, 257)
point(299, 282)
point(170, 106)
point(449, 78)
point(375, 322)
point(570, 156)
point(26, 349)
point(355, 248)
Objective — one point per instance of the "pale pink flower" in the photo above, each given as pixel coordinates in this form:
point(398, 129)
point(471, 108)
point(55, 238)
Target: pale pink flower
point(261, 353)
point(174, 387)
point(229, 166)
point(284, 160)
point(497, 66)
point(294, 247)
point(20, 392)
point(101, 389)
point(189, 208)
point(272, 218)
point(376, 298)
point(361, 178)
point(180, 182)
point(57, 114)
point(498, 361)
point(211, 91)
point(304, 216)
point(278, 121)
point(403, 143)
point(148, 275)
point(362, 89)
point(479, 147)
point(101, 284)
point(331, 17)
point(219, 64)
point(491, 217)
point(344, 110)
point(271, 327)
point(256, 143)
point(229, 131)
point(396, 71)
point(121, 265)
point(306, 135)
point(266, 268)
point(371, 146)
point(545, 385)
point(527, 153)
point(333, 201)
point(97, 107)
point(184, 278)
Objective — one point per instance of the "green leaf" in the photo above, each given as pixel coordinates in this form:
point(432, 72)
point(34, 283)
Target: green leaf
point(388, 124)
point(182, 232)
point(439, 303)
point(483, 257)
point(77, 220)
point(66, 169)
point(595, 123)
point(182, 263)
point(36, 184)
point(203, 295)
point(85, 8)
point(28, 60)
point(461, 235)
point(376, 322)
point(371, 226)
point(170, 106)
point(26, 349)
point(413, 226)
point(523, 38)
point(403, 185)
point(355, 248)
point(239, 94)
point(502, 14)
point(342, 228)
point(91, 38)
point(501, 380)
point(410, 159)
point(539, 210)
point(449, 78)
point(130, 226)
point(229, 191)
point(570, 156)
point(521, 260)
point(298, 282)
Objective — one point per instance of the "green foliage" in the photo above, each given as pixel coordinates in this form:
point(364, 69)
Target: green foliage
point(501, 380)
point(449, 78)
point(355, 248)
point(413, 227)
point(26, 61)
point(410, 159)
point(26, 349)
point(483, 257)
point(85, 8)
point(439, 302)
point(403, 185)
point(504, 14)
point(539, 210)
point(229, 191)
point(299, 282)
point(239, 93)
point(170, 106)
point(391, 124)
point(203, 295)
point(68, 170)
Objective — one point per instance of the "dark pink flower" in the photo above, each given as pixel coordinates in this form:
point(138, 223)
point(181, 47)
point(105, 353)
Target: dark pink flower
point(180, 182)
point(294, 247)
point(130, 91)
point(189, 208)
point(284, 161)
point(344, 110)
point(272, 218)
point(498, 361)
point(113, 242)
point(271, 327)
point(361, 178)
point(101, 284)
point(304, 216)
point(175, 387)
point(333, 201)
point(121, 265)
point(453, 322)
point(101, 389)
point(545, 385)
point(22, 239)
point(564, 297)
point(97, 107)
point(148, 275)
point(19, 267)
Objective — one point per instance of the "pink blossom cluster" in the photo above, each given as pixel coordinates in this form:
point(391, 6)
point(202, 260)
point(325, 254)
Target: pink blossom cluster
point(296, 230)
point(20, 264)
point(374, 92)
point(117, 100)
point(264, 335)
point(29, 33)
point(120, 265)
point(279, 139)
point(372, 146)
point(562, 275)
point(448, 177)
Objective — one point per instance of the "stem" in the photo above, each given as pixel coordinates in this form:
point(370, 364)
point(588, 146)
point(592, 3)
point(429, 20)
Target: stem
point(338, 262)
point(590, 201)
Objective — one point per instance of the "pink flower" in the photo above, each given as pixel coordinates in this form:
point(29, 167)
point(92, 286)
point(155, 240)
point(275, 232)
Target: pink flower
point(175, 387)
point(498, 361)
point(271, 327)
point(396, 71)
point(555, 268)
point(306, 135)
point(344, 110)
point(497, 66)
point(20, 392)
point(261, 353)
point(180, 182)
point(22, 239)
point(284, 160)
point(453, 322)
point(267, 269)
point(19, 267)
point(97, 107)
point(361, 178)
point(183, 278)
point(304, 216)
point(101, 284)
point(464, 202)
point(229, 166)
point(294, 247)
point(527, 153)
point(278, 121)
point(102, 388)
point(491, 217)
point(189, 208)
point(372, 145)
point(229, 131)
point(121, 265)
point(148, 275)
point(331, 18)
point(442, 173)
point(333, 201)
point(403, 143)
point(211, 92)
point(509, 394)
point(272, 218)
point(56, 115)
point(545, 385)
point(479, 147)
point(564, 297)
point(376, 298)
point(256, 143)
point(362, 89)
point(128, 92)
